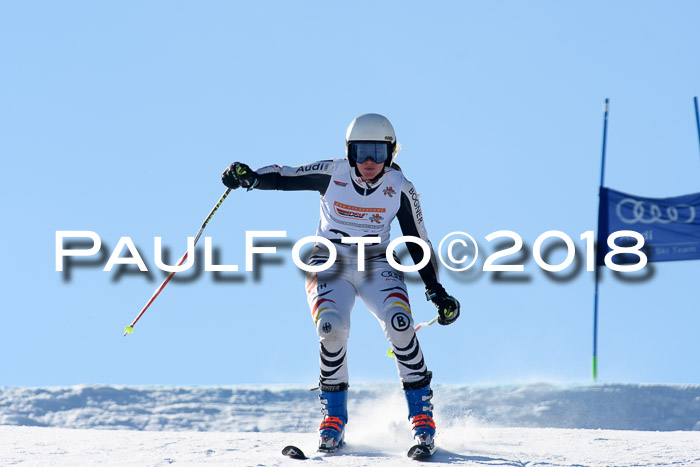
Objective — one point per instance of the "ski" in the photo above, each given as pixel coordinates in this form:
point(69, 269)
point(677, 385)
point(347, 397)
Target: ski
point(418, 452)
point(329, 450)
point(294, 452)
point(421, 451)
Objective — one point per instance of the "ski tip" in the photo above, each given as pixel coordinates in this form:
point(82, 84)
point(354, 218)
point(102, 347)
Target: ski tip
point(293, 452)
point(421, 451)
point(128, 330)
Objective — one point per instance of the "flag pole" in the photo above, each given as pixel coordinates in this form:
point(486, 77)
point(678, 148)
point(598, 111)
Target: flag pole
point(697, 116)
point(606, 109)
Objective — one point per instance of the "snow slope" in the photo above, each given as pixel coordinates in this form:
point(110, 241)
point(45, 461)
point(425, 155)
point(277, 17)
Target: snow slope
point(498, 425)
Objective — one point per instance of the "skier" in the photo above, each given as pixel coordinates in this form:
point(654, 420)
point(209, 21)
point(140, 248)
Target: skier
point(360, 196)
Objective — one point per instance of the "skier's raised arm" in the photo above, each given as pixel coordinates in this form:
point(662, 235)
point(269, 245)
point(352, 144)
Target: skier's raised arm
point(309, 177)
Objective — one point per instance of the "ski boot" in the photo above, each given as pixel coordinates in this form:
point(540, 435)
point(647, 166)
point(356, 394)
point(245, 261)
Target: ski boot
point(334, 400)
point(420, 414)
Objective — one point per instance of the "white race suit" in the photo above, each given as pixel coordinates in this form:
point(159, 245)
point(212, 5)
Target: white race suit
point(352, 207)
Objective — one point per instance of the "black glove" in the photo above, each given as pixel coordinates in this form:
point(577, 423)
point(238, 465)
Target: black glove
point(239, 175)
point(447, 305)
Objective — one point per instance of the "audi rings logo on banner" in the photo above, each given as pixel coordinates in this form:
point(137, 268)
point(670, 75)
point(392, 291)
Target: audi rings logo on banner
point(648, 213)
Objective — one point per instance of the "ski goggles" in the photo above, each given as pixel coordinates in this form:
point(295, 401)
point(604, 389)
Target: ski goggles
point(360, 152)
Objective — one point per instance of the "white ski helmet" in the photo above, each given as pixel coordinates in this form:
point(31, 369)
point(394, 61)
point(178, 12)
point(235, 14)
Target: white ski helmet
point(371, 128)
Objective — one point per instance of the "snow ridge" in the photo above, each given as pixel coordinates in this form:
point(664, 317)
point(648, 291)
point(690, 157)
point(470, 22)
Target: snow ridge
point(296, 410)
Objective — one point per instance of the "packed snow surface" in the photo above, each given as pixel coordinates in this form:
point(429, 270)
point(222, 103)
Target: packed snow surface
point(491, 425)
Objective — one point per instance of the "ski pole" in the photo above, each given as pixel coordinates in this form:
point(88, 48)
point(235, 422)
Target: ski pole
point(130, 328)
point(390, 352)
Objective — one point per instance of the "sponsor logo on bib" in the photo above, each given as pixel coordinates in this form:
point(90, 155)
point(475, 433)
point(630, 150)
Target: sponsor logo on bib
point(356, 212)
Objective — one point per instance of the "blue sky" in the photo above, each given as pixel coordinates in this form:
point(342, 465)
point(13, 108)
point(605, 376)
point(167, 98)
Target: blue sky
point(119, 118)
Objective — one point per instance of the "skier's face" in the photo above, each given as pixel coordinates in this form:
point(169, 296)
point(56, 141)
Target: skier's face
point(369, 169)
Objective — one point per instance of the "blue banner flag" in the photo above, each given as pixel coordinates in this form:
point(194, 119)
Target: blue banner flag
point(670, 226)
